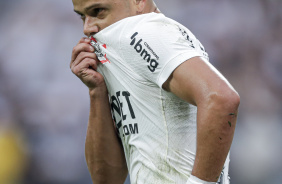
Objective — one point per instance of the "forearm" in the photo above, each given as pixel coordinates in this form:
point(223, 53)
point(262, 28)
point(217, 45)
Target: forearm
point(216, 122)
point(104, 153)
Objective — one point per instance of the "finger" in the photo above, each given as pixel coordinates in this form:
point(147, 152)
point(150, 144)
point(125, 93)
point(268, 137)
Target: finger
point(81, 47)
point(86, 65)
point(90, 63)
point(82, 55)
point(84, 40)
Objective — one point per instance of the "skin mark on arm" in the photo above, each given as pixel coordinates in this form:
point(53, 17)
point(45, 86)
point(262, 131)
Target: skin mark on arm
point(231, 114)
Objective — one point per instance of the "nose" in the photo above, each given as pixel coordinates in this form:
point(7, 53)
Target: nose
point(90, 27)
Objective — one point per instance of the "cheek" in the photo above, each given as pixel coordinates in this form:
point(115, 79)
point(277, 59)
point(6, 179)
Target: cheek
point(116, 17)
point(111, 19)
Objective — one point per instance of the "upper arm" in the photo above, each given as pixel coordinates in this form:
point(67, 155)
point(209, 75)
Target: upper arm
point(196, 80)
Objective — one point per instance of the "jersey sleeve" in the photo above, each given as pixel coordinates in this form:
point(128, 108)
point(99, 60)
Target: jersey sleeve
point(155, 48)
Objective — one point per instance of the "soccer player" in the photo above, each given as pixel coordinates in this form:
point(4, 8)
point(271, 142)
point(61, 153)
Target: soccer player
point(158, 109)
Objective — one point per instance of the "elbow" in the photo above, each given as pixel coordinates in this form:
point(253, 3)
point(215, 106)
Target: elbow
point(224, 100)
point(231, 99)
point(234, 99)
point(223, 108)
point(217, 114)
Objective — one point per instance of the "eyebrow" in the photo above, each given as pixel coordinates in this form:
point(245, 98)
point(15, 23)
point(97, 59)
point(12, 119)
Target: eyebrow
point(88, 8)
point(77, 12)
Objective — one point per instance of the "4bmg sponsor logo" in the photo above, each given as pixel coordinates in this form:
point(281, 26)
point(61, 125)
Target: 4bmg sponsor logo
point(152, 63)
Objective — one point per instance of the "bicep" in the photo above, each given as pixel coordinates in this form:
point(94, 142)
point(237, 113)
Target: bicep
point(195, 80)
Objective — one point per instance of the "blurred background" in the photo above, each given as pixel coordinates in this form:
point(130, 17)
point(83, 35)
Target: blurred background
point(44, 107)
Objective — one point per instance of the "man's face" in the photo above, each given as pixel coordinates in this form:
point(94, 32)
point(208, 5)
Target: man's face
point(98, 14)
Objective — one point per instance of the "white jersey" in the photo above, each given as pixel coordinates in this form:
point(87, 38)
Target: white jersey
point(157, 129)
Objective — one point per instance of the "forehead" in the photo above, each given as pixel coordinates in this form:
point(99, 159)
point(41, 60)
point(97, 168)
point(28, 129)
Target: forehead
point(85, 3)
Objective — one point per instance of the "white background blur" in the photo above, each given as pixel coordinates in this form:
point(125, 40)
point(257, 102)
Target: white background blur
point(44, 107)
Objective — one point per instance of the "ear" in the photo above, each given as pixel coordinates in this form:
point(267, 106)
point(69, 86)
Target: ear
point(140, 6)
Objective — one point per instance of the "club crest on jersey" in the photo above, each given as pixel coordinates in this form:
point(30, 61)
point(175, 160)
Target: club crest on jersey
point(102, 56)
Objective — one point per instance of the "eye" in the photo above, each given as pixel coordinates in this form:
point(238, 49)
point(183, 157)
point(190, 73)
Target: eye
point(98, 11)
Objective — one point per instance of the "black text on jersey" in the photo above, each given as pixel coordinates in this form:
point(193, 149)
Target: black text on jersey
point(120, 102)
point(152, 63)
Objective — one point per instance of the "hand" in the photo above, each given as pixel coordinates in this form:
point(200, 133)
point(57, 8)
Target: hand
point(84, 64)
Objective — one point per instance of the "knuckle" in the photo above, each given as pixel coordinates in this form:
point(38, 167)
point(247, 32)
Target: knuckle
point(74, 49)
point(80, 55)
point(75, 70)
point(89, 60)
